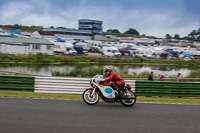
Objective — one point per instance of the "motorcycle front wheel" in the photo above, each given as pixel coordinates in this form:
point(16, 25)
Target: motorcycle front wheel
point(89, 98)
point(128, 98)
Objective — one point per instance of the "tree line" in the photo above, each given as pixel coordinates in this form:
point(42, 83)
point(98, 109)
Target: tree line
point(194, 35)
point(129, 31)
point(25, 28)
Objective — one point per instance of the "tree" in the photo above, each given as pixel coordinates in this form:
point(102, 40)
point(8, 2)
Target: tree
point(194, 32)
point(132, 31)
point(199, 31)
point(113, 31)
point(16, 26)
point(185, 38)
point(198, 38)
point(168, 36)
point(177, 37)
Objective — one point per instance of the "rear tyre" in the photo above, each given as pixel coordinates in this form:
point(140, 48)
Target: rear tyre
point(89, 98)
point(128, 102)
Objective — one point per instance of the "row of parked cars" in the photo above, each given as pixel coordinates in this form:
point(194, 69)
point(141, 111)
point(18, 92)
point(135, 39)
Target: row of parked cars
point(116, 50)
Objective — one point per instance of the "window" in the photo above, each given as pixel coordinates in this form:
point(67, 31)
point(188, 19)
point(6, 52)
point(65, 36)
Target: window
point(114, 51)
point(56, 46)
point(48, 47)
point(36, 47)
point(68, 49)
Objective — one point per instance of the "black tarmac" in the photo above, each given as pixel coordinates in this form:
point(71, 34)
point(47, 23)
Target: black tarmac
point(21, 115)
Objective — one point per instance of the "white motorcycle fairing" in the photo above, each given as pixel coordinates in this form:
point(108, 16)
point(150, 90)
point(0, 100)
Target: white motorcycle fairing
point(107, 91)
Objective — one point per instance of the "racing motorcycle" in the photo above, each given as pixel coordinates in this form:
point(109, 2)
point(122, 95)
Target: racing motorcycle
point(107, 93)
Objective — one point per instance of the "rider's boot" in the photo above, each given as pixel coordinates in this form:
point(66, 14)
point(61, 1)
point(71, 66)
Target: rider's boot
point(120, 93)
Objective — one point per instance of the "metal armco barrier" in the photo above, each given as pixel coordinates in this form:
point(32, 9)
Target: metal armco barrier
point(17, 83)
point(78, 85)
point(167, 88)
point(65, 85)
point(61, 85)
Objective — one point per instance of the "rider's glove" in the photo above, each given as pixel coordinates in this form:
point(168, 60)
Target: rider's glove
point(101, 80)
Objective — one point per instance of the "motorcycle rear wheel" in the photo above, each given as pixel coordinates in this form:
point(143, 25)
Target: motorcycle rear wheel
point(128, 102)
point(89, 98)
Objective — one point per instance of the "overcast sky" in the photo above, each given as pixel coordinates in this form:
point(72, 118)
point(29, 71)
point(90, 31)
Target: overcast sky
point(150, 17)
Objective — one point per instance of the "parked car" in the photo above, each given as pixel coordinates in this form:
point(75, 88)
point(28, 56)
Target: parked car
point(64, 48)
point(173, 53)
point(70, 49)
point(95, 49)
point(110, 51)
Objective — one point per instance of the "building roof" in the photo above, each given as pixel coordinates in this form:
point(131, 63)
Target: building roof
point(46, 33)
point(67, 30)
point(89, 20)
point(7, 35)
point(24, 40)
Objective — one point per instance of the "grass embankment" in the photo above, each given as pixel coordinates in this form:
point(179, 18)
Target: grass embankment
point(62, 60)
point(47, 59)
point(154, 99)
point(93, 71)
point(43, 59)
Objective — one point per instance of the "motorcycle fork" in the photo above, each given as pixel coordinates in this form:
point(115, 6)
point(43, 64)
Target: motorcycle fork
point(93, 91)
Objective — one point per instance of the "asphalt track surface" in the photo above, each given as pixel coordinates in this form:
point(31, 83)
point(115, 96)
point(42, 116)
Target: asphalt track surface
point(21, 115)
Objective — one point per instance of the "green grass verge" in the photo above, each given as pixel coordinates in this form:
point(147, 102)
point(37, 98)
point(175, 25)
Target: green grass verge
point(177, 100)
point(38, 95)
point(155, 99)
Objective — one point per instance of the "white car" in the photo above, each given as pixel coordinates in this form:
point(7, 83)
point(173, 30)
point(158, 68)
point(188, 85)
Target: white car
point(110, 51)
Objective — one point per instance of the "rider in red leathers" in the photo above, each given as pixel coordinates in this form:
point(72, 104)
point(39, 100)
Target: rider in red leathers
point(113, 80)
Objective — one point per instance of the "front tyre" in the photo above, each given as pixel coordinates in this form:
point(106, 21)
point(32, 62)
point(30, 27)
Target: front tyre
point(128, 98)
point(89, 98)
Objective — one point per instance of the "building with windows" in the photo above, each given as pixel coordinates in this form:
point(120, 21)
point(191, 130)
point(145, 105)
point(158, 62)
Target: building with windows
point(91, 25)
point(66, 33)
point(18, 45)
point(87, 29)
